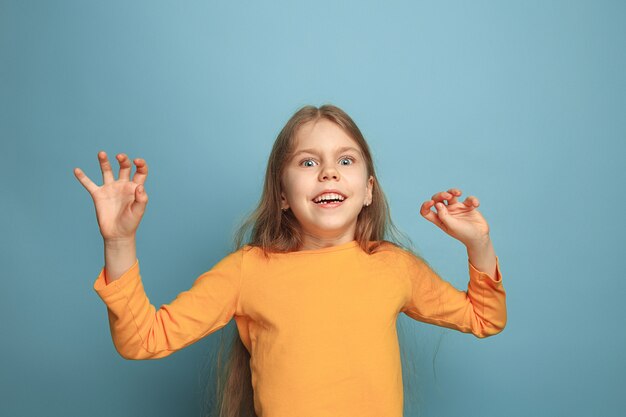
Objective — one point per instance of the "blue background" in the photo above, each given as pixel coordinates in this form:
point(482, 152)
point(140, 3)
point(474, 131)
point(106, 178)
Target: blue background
point(521, 104)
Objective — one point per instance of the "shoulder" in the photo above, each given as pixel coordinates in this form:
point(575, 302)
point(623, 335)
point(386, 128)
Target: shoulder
point(239, 260)
point(232, 260)
point(253, 255)
point(400, 256)
point(387, 248)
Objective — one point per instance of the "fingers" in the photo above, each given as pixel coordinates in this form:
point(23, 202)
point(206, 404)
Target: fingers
point(471, 202)
point(450, 196)
point(105, 167)
point(141, 199)
point(440, 217)
point(430, 215)
point(125, 166)
point(85, 181)
point(107, 171)
point(142, 171)
point(455, 193)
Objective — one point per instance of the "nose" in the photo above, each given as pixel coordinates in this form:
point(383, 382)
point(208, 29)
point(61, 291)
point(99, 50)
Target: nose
point(329, 172)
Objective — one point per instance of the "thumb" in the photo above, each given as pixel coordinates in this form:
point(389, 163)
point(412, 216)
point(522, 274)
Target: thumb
point(444, 215)
point(141, 199)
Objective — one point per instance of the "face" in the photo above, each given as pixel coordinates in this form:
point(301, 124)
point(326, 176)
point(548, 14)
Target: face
point(326, 183)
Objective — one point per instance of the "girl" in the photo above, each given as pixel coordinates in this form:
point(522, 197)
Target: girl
point(318, 287)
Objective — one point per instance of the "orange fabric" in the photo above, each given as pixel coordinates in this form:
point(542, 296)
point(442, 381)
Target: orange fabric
point(320, 324)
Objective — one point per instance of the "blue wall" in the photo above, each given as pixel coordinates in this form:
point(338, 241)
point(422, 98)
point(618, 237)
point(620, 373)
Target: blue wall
point(521, 104)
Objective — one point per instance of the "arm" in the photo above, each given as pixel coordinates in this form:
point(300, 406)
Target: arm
point(119, 256)
point(140, 331)
point(482, 256)
point(481, 310)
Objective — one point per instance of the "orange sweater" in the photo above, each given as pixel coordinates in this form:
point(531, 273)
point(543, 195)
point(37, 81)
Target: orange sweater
point(320, 325)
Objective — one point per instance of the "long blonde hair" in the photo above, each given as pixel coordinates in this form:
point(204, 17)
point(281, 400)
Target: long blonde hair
point(274, 230)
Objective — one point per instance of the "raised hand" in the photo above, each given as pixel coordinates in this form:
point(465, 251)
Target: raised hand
point(120, 204)
point(462, 221)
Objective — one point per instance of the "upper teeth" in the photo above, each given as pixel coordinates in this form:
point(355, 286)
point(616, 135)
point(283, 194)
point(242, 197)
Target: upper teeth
point(329, 196)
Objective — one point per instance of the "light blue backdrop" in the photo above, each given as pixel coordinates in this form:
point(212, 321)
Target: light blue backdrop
point(521, 104)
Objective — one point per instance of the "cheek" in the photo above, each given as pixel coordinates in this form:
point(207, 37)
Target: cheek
point(360, 181)
point(290, 185)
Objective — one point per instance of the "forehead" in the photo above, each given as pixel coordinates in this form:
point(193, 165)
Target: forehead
point(322, 135)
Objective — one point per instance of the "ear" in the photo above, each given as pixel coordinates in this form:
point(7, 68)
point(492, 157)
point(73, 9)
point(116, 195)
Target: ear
point(368, 193)
point(284, 205)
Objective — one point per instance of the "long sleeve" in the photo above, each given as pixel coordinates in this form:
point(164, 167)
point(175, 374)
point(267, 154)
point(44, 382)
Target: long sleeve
point(481, 310)
point(140, 331)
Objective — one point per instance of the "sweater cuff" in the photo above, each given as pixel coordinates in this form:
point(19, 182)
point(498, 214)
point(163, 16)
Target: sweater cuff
point(104, 290)
point(482, 276)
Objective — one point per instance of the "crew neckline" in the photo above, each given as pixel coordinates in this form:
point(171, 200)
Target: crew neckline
point(343, 246)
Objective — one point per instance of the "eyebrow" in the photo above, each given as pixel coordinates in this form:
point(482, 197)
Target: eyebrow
point(340, 150)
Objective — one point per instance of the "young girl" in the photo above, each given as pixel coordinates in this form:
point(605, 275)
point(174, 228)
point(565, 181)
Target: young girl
point(318, 287)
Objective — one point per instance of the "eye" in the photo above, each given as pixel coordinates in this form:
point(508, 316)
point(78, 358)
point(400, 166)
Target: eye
point(346, 160)
point(308, 163)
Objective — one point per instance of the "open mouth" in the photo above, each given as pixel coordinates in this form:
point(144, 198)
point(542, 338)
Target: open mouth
point(329, 199)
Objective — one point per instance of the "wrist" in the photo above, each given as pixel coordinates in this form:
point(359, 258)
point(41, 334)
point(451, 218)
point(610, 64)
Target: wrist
point(119, 243)
point(482, 256)
point(478, 244)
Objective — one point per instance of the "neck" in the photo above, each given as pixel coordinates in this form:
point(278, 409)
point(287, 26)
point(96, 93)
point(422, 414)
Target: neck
point(320, 242)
